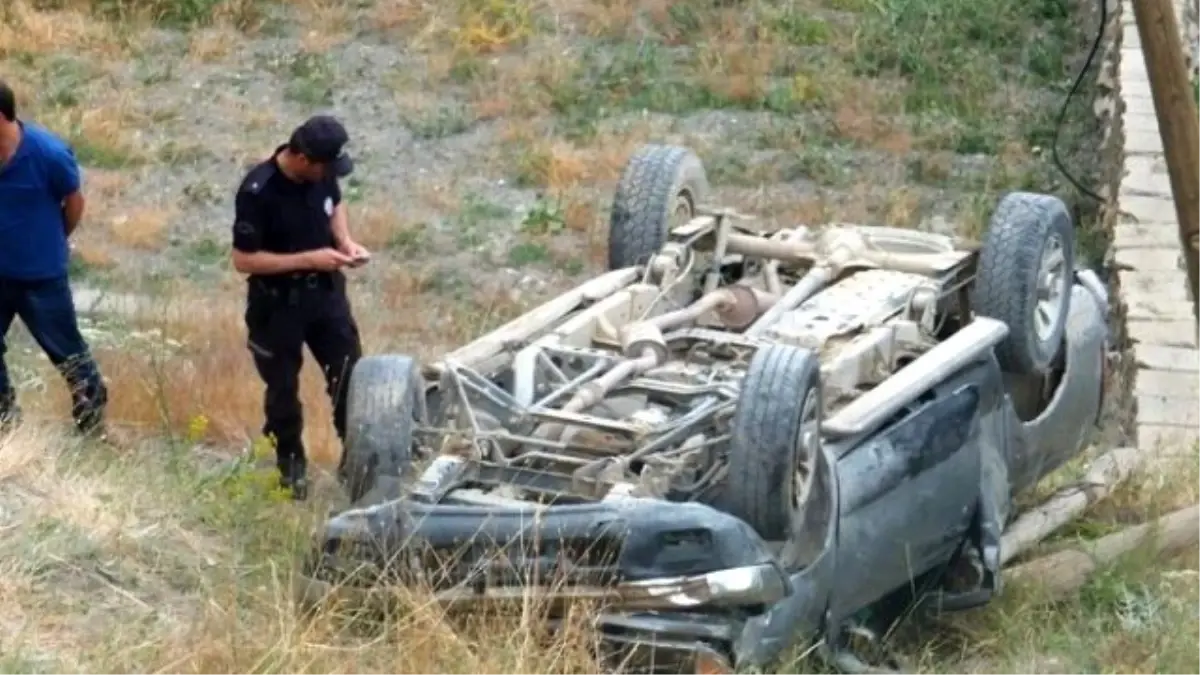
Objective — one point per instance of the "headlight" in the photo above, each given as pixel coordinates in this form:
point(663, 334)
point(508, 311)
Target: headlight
point(757, 584)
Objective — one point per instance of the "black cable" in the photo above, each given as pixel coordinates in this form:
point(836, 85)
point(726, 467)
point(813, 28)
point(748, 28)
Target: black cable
point(1062, 114)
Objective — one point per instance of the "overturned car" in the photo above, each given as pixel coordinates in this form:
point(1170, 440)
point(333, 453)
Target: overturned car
point(738, 442)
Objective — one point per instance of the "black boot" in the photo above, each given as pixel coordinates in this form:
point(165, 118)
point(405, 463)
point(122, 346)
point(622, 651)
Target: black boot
point(10, 412)
point(89, 399)
point(294, 477)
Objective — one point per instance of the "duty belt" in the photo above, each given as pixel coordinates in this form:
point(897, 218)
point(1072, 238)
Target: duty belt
point(312, 280)
point(301, 280)
point(290, 287)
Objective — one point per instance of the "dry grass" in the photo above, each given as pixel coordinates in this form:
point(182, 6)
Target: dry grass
point(105, 134)
point(94, 252)
point(93, 243)
point(380, 225)
point(467, 27)
point(25, 30)
point(212, 44)
point(112, 563)
point(327, 24)
point(142, 228)
point(186, 357)
point(556, 165)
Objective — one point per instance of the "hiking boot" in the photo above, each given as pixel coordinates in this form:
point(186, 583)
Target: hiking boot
point(295, 479)
point(88, 414)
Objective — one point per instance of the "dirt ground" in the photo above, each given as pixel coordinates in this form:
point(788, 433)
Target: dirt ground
point(488, 136)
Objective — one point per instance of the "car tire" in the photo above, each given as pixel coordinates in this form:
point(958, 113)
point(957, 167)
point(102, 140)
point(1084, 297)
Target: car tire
point(1026, 269)
point(775, 441)
point(659, 188)
point(382, 408)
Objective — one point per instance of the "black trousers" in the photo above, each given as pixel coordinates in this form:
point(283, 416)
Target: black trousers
point(281, 319)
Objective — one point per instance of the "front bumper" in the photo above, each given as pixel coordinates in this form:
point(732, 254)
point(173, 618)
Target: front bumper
point(675, 580)
point(643, 642)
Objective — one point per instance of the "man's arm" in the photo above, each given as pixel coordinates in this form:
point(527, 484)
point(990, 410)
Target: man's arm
point(340, 224)
point(65, 185)
point(264, 262)
point(248, 256)
point(73, 211)
point(339, 221)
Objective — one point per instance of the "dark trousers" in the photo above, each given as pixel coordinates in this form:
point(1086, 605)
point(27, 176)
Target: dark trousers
point(280, 319)
point(48, 311)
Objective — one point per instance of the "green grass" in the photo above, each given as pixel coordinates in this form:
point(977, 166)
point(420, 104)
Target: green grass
point(181, 14)
point(311, 80)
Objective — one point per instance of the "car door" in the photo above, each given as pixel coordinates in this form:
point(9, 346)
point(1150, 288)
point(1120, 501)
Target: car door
point(908, 494)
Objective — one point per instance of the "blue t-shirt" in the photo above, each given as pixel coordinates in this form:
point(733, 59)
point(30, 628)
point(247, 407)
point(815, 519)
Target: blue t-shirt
point(33, 185)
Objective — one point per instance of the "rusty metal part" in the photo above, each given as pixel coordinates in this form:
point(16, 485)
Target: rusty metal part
point(636, 338)
point(771, 269)
point(591, 393)
point(853, 245)
point(689, 314)
point(743, 307)
point(811, 283)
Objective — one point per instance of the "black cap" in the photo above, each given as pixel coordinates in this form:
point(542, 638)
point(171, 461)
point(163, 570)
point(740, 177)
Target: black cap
point(322, 138)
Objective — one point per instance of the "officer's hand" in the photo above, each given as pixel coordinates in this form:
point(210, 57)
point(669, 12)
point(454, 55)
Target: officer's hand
point(327, 259)
point(358, 253)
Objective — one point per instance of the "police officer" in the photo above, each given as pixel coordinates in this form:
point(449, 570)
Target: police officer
point(290, 236)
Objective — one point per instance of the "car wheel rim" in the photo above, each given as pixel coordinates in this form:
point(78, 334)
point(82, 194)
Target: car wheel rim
point(806, 450)
point(682, 210)
point(1052, 273)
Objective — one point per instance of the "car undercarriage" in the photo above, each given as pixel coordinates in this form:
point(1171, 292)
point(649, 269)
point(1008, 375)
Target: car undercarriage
point(734, 440)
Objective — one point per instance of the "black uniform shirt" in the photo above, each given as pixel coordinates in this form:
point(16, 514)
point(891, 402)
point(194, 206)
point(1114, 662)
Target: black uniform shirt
point(276, 214)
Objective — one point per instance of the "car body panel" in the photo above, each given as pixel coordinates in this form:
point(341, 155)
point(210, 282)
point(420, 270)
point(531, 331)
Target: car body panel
point(1046, 442)
point(906, 498)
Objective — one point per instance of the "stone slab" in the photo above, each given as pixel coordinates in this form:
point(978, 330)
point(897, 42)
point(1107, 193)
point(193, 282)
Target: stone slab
point(1130, 38)
point(1132, 70)
point(1168, 411)
point(1158, 357)
point(1145, 175)
point(1145, 210)
point(1157, 309)
point(1164, 284)
point(1162, 259)
point(1142, 122)
point(1177, 333)
point(1137, 106)
point(1146, 123)
point(1151, 235)
point(1167, 441)
point(1142, 141)
point(1168, 383)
